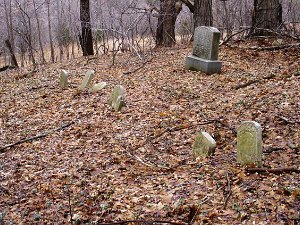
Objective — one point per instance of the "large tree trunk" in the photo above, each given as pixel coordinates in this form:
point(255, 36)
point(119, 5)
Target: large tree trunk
point(86, 38)
point(203, 13)
point(165, 32)
point(267, 15)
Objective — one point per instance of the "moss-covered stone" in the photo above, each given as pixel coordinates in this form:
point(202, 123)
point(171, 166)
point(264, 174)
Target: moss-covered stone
point(204, 145)
point(249, 144)
point(116, 99)
point(87, 79)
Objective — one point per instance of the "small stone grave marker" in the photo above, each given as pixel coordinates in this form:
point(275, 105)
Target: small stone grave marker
point(205, 51)
point(204, 145)
point(87, 79)
point(63, 79)
point(249, 144)
point(116, 99)
point(98, 87)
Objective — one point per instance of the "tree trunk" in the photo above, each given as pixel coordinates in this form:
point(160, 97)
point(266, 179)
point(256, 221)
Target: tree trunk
point(39, 31)
point(50, 32)
point(203, 13)
point(267, 15)
point(86, 38)
point(12, 55)
point(165, 31)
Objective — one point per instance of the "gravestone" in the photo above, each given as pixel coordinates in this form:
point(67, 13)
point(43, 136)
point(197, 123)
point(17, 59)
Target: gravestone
point(98, 87)
point(204, 145)
point(87, 79)
point(205, 51)
point(63, 79)
point(116, 99)
point(249, 144)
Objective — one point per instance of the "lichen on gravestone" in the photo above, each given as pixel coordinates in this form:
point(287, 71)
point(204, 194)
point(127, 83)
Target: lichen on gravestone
point(63, 79)
point(116, 99)
point(98, 87)
point(87, 79)
point(204, 145)
point(249, 144)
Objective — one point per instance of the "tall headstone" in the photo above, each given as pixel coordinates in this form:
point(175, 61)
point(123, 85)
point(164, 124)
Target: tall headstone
point(116, 99)
point(249, 144)
point(63, 79)
point(204, 145)
point(205, 51)
point(87, 79)
point(98, 87)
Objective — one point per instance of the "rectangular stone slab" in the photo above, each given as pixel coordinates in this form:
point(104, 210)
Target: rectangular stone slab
point(204, 145)
point(206, 42)
point(87, 79)
point(203, 65)
point(116, 98)
point(63, 79)
point(249, 144)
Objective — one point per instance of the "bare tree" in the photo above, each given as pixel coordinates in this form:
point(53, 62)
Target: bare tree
point(86, 38)
point(50, 31)
point(267, 16)
point(39, 29)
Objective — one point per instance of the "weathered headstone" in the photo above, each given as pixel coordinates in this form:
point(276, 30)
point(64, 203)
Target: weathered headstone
point(205, 51)
point(98, 87)
point(63, 79)
point(204, 145)
point(87, 79)
point(249, 144)
point(116, 99)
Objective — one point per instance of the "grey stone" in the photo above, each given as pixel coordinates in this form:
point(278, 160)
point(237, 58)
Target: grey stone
point(204, 145)
point(206, 43)
point(63, 79)
point(116, 99)
point(205, 51)
point(98, 87)
point(207, 66)
point(87, 79)
point(249, 144)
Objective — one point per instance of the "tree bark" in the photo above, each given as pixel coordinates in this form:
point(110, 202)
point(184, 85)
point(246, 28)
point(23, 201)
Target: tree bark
point(203, 13)
point(86, 38)
point(39, 31)
point(12, 55)
point(165, 31)
point(50, 31)
point(267, 15)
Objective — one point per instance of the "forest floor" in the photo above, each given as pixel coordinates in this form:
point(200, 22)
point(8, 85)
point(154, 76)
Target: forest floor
point(96, 165)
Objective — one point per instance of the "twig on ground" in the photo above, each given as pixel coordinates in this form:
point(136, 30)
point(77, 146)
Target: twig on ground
point(4, 148)
point(254, 81)
point(271, 48)
point(287, 121)
point(229, 192)
point(272, 149)
point(138, 68)
point(204, 200)
point(142, 221)
point(275, 171)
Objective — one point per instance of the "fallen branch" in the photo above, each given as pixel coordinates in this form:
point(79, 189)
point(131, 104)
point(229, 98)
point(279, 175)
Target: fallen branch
point(275, 171)
point(271, 48)
point(229, 192)
point(142, 221)
point(287, 121)
point(4, 149)
point(254, 81)
point(272, 149)
point(138, 68)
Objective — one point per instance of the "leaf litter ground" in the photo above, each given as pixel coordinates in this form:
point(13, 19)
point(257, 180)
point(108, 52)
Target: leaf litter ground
point(138, 163)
